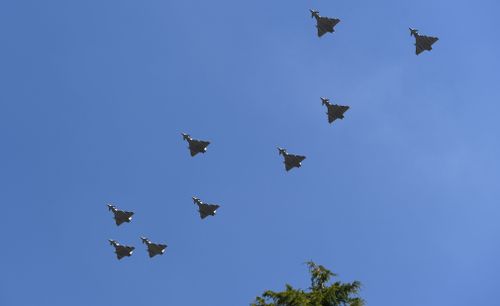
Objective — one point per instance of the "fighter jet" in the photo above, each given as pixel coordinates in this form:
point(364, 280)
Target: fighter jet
point(291, 160)
point(195, 146)
point(120, 215)
point(153, 248)
point(204, 209)
point(121, 250)
point(334, 111)
point(422, 42)
point(324, 24)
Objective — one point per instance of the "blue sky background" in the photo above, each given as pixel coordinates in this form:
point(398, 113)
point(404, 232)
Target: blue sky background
point(403, 194)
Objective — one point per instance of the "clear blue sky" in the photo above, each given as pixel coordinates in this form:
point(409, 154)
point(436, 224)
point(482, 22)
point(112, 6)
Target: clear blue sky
point(402, 195)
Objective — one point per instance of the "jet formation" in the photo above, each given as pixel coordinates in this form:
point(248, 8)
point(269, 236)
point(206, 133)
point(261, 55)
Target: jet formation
point(121, 250)
point(422, 42)
point(120, 215)
point(195, 146)
point(334, 111)
point(154, 248)
point(205, 209)
point(324, 24)
point(291, 160)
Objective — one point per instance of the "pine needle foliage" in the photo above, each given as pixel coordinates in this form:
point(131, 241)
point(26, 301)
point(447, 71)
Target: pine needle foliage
point(319, 293)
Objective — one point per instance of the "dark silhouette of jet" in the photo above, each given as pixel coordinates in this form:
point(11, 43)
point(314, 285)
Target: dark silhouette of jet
point(121, 250)
point(422, 42)
point(334, 111)
point(154, 248)
point(204, 209)
point(195, 146)
point(324, 24)
point(120, 215)
point(291, 160)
